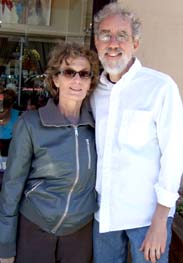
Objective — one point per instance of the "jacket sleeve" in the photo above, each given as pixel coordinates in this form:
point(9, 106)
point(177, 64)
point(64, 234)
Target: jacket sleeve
point(170, 136)
point(18, 166)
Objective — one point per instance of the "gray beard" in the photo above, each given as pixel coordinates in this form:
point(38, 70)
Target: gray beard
point(117, 67)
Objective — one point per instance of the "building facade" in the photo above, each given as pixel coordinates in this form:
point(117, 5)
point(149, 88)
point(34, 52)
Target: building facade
point(162, 38)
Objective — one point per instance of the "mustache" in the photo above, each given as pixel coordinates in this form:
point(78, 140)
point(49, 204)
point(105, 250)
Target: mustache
point(116, 49)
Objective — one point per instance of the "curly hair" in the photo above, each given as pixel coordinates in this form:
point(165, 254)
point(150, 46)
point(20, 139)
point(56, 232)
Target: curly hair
point(62, 52)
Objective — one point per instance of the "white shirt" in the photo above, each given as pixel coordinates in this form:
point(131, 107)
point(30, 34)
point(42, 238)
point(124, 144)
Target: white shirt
point(139, 137)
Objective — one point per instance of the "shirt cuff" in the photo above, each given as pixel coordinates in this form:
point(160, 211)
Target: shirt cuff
point(165, 197)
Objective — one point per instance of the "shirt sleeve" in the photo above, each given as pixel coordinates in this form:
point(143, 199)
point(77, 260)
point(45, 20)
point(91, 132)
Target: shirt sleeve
point(170, 137)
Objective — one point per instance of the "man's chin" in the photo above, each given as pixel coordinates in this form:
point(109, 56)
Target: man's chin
point(114, 70)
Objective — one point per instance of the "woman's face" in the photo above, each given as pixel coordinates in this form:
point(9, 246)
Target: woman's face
point(4, 116)
point(72, 85)
point(4, 113)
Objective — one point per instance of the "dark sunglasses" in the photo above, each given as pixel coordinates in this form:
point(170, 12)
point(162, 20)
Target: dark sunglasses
point(70, 73)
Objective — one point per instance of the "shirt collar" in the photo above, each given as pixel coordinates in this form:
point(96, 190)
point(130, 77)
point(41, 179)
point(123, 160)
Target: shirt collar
point(136, 66)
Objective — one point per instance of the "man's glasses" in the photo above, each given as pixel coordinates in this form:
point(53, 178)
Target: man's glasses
point(70, 73)
point(106, 37)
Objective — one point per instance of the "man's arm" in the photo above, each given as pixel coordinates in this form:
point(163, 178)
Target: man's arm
point(169, 123)
point(155, 241)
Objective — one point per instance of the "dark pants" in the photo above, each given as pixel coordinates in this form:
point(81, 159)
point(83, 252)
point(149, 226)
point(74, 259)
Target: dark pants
point(37, 246)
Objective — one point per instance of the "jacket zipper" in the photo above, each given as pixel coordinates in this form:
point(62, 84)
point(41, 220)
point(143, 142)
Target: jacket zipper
point(74, 184)
point(33, 188)
point(89, 153)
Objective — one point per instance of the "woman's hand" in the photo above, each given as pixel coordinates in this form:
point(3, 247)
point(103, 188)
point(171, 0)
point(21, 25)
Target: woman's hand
point(7, 260)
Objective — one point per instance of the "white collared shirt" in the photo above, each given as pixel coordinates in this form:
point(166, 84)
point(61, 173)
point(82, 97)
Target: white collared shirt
point(139, 137)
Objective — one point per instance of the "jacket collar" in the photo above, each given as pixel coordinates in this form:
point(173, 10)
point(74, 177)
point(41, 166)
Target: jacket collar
point(51, 116)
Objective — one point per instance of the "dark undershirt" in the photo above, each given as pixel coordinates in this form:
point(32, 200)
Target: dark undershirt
point(110, 80)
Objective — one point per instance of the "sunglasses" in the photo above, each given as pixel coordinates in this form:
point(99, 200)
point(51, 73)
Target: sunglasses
point(70, 73)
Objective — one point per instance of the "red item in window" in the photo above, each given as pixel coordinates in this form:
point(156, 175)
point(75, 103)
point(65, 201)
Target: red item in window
point(7, 3)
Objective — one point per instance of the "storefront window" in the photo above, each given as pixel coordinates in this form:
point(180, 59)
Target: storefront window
point(28, 30)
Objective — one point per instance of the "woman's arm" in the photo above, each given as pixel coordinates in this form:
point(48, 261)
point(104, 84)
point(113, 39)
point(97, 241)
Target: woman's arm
point(7, 260)
point(17, 171)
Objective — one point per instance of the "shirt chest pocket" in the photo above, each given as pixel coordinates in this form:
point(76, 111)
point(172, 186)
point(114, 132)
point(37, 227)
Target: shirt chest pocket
point(137, 128)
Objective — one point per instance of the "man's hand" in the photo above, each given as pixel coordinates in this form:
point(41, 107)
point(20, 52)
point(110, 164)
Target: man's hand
point(7, 260)
point(154, 243)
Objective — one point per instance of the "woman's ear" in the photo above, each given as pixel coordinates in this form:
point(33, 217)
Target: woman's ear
point(56, 81)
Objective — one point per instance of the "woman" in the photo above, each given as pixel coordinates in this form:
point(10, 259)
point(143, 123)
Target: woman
point(8, 117)
point(50, 174)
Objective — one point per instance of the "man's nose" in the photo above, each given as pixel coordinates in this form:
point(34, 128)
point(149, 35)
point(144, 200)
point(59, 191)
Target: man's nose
point(113, 41)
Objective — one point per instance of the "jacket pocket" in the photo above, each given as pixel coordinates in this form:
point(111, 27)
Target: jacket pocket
point(137, 128)
point(89, 153)
point(33, 188)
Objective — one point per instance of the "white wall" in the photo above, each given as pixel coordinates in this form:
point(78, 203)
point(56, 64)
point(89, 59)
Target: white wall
point(162, 40)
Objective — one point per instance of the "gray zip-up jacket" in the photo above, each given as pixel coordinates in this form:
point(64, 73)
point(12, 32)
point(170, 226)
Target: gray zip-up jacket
point(50, 176)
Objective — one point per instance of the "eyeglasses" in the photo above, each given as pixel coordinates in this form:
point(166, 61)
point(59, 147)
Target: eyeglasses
point(70, 73)
point(120, 37)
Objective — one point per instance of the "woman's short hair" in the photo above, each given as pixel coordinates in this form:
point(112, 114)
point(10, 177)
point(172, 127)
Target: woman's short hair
point(61, 53)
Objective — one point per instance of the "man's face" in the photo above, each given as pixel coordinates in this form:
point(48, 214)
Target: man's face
point(115, 45)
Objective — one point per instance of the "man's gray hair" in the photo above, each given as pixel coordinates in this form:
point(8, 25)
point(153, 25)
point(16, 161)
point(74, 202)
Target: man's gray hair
point(117, 9)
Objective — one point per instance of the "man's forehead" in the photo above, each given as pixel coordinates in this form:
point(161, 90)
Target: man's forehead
point(106, 31)
point(115, 21)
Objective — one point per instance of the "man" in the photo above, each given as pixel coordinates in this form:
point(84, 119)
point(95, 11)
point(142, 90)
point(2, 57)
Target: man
point(139, 129)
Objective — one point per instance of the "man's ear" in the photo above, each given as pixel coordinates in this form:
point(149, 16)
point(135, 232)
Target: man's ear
point(136, 44)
